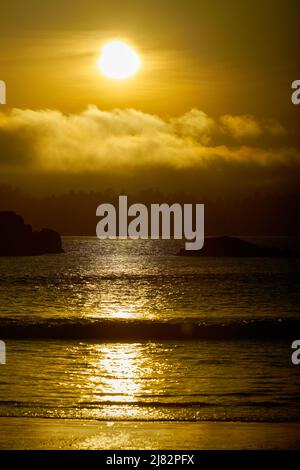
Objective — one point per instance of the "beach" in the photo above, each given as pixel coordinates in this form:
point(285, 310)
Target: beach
point(35, 433)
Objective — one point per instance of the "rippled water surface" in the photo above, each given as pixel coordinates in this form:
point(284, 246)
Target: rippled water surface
point(90, 333)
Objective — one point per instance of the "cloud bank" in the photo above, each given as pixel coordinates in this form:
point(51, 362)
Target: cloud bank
point(125, 140)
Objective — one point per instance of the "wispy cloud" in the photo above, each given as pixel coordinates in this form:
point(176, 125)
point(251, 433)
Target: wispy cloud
point(249, 126)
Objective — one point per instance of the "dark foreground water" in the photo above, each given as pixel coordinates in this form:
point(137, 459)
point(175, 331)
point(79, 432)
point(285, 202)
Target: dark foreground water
point(126, 330)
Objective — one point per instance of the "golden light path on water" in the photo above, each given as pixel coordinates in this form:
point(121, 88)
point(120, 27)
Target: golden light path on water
point(120, 374)
point(114, 298)
point(114, 307)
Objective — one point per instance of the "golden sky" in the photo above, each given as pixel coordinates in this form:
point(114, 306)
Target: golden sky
point(212, 98)
point(239, 58)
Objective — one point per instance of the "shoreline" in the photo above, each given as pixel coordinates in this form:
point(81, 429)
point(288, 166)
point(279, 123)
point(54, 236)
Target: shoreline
point(65, 434)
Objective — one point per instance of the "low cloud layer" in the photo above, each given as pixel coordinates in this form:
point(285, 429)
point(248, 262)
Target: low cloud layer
point(120, 141)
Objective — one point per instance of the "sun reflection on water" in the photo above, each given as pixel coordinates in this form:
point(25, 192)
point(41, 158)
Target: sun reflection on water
point(122, 314)
point(118, 376)
point(120, 381)
point(121, 372)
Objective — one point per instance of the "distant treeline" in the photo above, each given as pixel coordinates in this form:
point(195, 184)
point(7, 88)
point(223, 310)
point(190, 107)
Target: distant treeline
point(74, 213)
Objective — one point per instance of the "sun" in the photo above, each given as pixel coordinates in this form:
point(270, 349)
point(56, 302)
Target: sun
point(118, 60)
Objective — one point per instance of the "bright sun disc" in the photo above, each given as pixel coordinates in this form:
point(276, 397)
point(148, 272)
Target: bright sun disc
point(118, 60)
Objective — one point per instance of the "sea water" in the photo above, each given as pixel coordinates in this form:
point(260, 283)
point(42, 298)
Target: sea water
point(127, 330)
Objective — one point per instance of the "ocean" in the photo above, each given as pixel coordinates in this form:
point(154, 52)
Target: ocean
point(123, 330)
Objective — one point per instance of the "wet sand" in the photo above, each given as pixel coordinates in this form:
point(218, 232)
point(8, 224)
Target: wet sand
point(37, 433)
